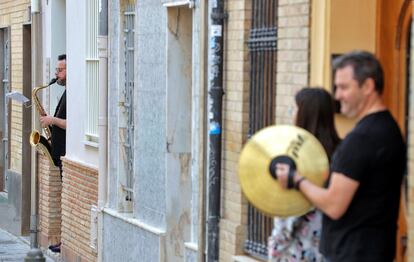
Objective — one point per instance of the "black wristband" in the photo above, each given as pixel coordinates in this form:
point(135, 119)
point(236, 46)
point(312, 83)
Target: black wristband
point(297, 184)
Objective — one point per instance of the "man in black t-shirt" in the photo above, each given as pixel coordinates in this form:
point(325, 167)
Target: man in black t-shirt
point(361, 200)
point(58, 120)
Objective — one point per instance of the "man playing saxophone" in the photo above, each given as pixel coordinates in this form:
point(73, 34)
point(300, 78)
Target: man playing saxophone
point(57, 122)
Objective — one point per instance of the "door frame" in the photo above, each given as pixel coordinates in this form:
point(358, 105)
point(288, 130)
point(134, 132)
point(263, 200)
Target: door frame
point(26, 130)
point(395, 21)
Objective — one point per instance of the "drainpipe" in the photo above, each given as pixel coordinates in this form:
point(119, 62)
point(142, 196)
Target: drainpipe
point(202, 177)
point(215, 104)
point(35, 254)
point(103, 119)
point(103, 101)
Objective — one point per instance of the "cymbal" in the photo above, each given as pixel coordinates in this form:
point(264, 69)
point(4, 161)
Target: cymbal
point(260, 188)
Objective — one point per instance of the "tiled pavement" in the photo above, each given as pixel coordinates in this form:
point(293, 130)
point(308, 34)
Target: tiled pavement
point(14, 249)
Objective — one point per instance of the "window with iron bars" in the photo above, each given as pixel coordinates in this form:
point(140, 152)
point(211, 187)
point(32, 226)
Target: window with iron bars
point(126, 128)
point(262, 52)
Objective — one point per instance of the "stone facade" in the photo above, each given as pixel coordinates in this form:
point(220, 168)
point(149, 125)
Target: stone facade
point(79, 193)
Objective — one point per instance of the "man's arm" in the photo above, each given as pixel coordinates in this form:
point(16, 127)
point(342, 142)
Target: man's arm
point(59, 122)
point(51, 120)
point(334, 200)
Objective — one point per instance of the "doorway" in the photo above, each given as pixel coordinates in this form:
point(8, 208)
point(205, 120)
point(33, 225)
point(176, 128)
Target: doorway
point(393, 49)
point(4, 107)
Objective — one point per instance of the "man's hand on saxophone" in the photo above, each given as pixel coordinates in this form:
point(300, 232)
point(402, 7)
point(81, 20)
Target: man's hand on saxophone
point(51, 120)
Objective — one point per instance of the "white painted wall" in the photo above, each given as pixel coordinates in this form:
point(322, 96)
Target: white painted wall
point(54, 44)
point(76, 149)
point(179, 133)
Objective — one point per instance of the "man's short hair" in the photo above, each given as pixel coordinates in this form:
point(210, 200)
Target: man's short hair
point(365, 65)
point(62, 57)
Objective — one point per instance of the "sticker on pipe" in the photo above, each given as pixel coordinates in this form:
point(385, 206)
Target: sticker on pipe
point(215, 30)
point(215, 128)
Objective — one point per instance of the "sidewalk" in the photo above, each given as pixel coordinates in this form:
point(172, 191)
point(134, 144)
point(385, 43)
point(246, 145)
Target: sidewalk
point(14, 249)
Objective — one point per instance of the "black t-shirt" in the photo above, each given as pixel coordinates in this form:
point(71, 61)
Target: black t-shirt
point(374, 155)
point(59, 134)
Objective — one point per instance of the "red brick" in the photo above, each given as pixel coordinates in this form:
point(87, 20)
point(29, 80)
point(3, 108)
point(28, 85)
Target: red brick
point(79, 193)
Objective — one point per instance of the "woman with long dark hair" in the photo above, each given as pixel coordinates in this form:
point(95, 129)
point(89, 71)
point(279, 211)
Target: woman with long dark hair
point(297, 238)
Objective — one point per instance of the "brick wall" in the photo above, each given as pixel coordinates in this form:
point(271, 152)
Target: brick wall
point(293, 55)
point(79, 193)
point(235, 127)
point(12, 15)
point(50, 212)
point(292, 74)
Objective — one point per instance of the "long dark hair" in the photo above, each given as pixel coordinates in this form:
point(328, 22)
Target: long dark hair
point(316, 115)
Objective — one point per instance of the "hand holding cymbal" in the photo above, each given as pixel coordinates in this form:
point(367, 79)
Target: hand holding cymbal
point(289, 145)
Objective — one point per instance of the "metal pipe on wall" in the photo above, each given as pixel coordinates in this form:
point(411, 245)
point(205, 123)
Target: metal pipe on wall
point(103, 120)
point(37, 80)
point(103, 102)
point(35, 254)
point(35, 6)
point(202, 178)
point(215, 105)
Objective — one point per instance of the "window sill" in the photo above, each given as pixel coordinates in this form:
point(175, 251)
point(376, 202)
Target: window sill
point(192, 246)
point(128, 218)
point(245, 259)
point(91, 144)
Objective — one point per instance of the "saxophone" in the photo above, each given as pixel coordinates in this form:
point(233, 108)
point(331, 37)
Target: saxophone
point(42, 143)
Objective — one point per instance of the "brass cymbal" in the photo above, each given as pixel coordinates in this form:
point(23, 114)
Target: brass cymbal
point(258, 185)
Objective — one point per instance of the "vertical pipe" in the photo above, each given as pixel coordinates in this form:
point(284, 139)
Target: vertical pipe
point(215, 103)
point(102, 121)
point(35, 254)
point(37, 81)
point(203, 83)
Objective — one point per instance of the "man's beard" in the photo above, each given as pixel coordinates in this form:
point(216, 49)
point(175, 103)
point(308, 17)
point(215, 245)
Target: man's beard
point(61, 82)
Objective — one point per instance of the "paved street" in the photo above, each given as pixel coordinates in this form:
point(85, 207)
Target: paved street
point(13, 248)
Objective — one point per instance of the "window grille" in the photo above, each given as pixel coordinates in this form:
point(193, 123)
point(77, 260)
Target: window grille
point(92, 70)
point(262, 51)
point(127, 97)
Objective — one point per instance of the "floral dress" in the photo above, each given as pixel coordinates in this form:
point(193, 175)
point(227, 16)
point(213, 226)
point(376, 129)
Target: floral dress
point(296, 239)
